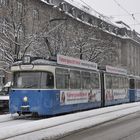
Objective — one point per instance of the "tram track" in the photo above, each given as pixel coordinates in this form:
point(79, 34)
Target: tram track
point(77, 117)
point(9, 120)
point(27, 117)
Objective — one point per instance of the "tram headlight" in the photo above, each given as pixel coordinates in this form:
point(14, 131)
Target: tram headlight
point(25, 99)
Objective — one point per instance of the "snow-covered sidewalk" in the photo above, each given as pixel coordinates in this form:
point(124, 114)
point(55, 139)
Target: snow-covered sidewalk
point(56, 126)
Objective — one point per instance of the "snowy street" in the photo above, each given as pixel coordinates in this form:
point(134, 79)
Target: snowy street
point(62, 125)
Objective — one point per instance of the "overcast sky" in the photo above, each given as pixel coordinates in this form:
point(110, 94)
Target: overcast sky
point(126, 10)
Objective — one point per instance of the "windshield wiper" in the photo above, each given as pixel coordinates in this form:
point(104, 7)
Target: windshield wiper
point(30, 86)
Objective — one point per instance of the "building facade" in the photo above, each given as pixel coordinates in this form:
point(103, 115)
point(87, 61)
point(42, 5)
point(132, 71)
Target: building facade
point(47, 27)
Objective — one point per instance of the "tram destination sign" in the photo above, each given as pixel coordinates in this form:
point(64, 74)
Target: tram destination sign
point(116, 70)
point(70, 61)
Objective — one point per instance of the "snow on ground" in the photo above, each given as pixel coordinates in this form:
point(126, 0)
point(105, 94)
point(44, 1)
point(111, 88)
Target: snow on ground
point(10, 120)
point(13, 122)
point(60, 131)
point(5, 118)
point(52, 128)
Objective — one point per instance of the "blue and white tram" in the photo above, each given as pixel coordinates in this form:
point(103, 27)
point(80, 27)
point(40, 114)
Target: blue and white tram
point(134, 88)
point(47, 88)
point(115, 86)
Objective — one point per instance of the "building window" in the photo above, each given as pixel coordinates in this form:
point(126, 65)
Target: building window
point(35, 14)
point(115, 31)
point(63, 6)
point(90, 21)
point(19, 7)
point(109, 28)
point(3, 25)
point(4, 2)
point(81, 16)
point(20, 32)
point(72, 11)
point(103, 25)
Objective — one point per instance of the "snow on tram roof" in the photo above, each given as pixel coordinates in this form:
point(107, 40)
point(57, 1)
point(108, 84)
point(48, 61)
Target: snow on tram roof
point(61, 60)
point(37, 62)
point(43, 61)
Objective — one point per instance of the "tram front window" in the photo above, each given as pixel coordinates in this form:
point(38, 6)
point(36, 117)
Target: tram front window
point(33, 80)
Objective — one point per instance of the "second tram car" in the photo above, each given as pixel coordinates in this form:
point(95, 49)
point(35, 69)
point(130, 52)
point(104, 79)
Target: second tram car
point(134, 88)
point(115, 86)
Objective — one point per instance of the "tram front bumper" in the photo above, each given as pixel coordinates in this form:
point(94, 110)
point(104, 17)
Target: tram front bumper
point(25, 108)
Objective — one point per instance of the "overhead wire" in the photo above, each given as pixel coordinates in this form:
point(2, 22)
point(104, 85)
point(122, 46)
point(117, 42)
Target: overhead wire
point(101, 15)
point(122, 8)
point(90, 7)
point(124, 14)
point(132, 15)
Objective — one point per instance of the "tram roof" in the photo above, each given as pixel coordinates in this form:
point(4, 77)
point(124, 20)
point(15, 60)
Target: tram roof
point(63, 61)
point(44, 62)
point(36, 62)
point(134, 76)
point(113, 70)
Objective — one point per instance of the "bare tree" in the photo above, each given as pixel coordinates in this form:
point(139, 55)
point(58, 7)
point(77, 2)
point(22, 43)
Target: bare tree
point(12, 31)
point(17, 37)
point(80, 41)
point(49, 37)
point(85, 44)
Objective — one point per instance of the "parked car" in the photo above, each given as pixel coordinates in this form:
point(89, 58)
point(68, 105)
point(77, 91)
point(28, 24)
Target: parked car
point(4, 95)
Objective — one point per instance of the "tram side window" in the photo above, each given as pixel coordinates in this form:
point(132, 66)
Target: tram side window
point(108, 80)
point(47, 80)
point(126, 83)
point(115, 82)
point(94, 80)
point(85, 80)
point(62, 78)
point(75, 79)
point(138, 84)
point(120, 82)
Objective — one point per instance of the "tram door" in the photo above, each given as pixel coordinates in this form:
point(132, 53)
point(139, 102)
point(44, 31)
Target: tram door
point(132, 89)
point(102, 89)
